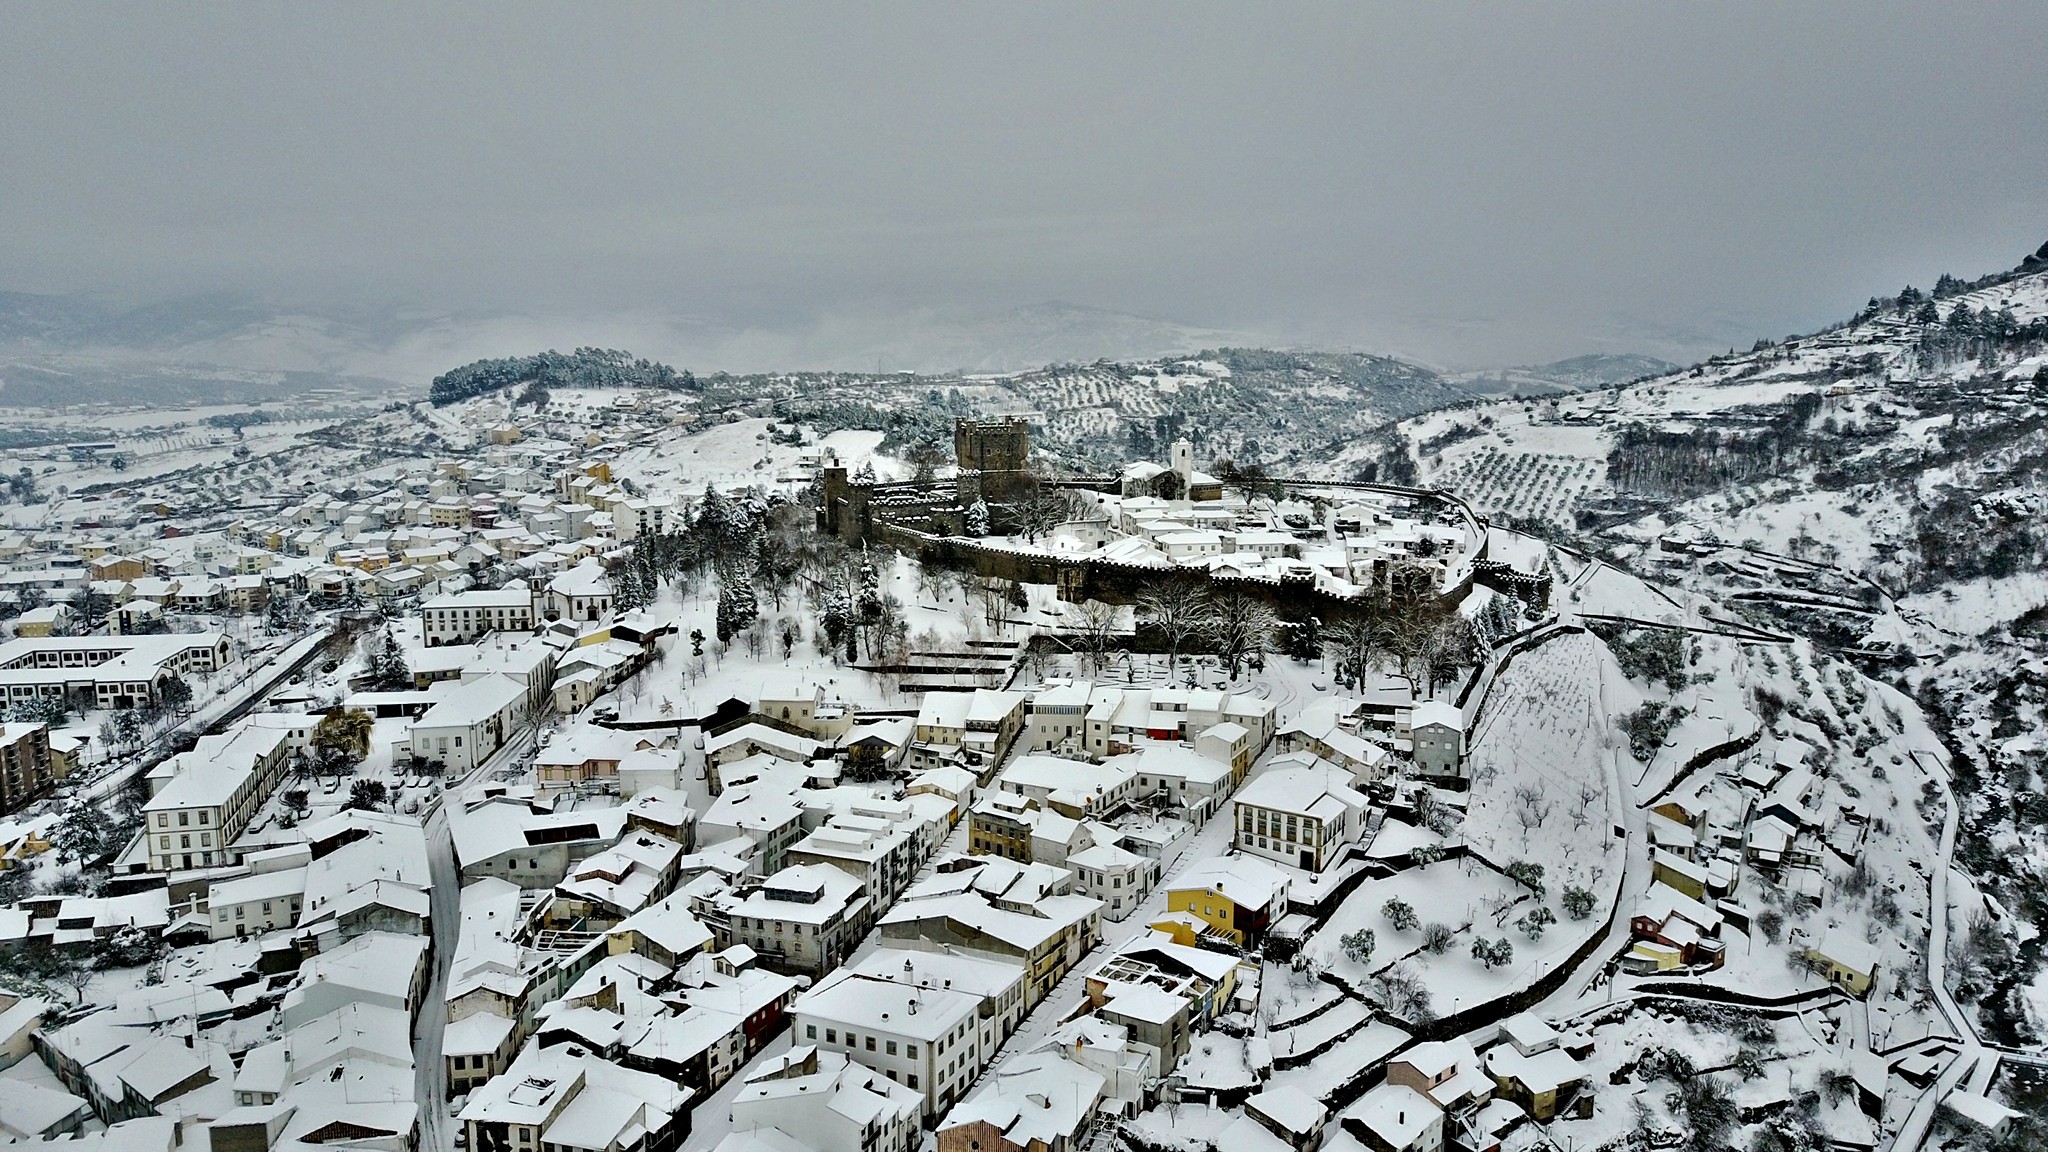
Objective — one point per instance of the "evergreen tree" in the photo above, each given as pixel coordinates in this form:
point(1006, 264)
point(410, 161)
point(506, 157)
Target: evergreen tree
point(176, 694)
point(366, 795)
point(772, 566)
point(868, 606)
point(837, 618)
point(737, 608)
point(83, 832)
point(977, 518)
point(723, 525)
point(388, 667)
point(1495, 622)
point(342, 738)
point(49, 710)
point(630, 582)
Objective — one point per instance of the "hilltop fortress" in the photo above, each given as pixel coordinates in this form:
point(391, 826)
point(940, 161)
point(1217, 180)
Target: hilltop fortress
point(1107, 537)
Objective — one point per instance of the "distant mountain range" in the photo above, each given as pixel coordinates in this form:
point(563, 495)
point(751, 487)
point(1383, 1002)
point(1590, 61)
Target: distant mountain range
point(1578, 374)
point(1041, 334)
point(80, 349)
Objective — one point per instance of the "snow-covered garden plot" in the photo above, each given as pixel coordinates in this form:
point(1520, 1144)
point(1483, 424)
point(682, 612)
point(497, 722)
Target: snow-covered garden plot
point(1539, 764)
point(1341, 1064)
point(1601, 589)
point(1717, 711)
point(1288, 996)
point(1429, 949)
point(1752, 1061)
point(1219, 1062)
point(1973, 607)
point(941, 618)
point(1178, 1127)
point(1299, 1041)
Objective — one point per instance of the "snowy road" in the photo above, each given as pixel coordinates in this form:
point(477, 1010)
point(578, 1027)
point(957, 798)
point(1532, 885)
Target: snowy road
point(224, 706)
point(1914, 1131)
point(430, 1070)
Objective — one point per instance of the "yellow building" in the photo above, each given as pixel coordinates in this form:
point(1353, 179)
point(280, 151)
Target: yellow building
point(21, 843)
point(1679, 873)
point(117, 568)
point(1237, 897)
point(1847, 961)
point(1181, 928)
point(48, 620)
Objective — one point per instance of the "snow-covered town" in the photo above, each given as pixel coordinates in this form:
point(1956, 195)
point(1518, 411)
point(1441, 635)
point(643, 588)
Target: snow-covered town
point(1147, 577)
point(642, 785)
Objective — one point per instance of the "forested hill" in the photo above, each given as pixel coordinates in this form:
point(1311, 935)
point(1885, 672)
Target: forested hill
point(583, 368)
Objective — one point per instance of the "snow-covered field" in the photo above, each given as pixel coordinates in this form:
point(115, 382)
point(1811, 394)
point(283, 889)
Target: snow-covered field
point(741, 453)
point(1542, 761)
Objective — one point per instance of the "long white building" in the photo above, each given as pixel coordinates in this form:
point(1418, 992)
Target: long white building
point(111, 671)
point(461, 617)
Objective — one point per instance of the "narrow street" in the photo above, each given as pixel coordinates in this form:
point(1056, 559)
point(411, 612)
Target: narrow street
point(1212, 839)
point(1921, 1118)
point(430, 1071)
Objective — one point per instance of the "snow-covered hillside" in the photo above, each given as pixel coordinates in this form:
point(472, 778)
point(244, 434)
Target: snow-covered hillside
point(1876, 489)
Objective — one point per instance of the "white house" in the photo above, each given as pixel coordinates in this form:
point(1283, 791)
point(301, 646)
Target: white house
point(813, 1099)
point(460, 617)
point(469, 722)
point(923, 1038)
point(1304, 813)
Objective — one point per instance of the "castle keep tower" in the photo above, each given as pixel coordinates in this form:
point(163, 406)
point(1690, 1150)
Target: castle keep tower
point(998, 450)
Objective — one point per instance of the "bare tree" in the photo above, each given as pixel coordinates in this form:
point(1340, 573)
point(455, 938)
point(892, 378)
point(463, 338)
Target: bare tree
point(1041, 512)
point(1407, 636)
point(931, 582)
point(1404, 994)
point(1241, 627)
point(1447, 645)
point(1179, 609)
point(993, 601)
point(1094, 632)
point(1352, 644)
point(1582, 814)
point(1531, 809)
point(79, 974)
point(1436, 938)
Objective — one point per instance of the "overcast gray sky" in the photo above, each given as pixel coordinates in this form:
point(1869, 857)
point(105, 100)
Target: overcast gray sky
point(1466, 184)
